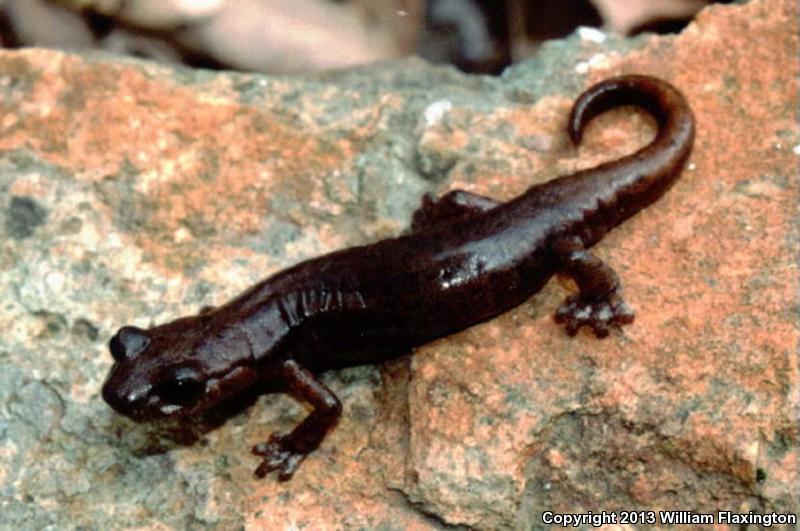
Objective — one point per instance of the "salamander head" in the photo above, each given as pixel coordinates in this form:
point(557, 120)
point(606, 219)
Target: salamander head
point(176, 369)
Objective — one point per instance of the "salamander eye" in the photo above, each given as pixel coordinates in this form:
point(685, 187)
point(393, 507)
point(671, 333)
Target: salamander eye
point(128, 343)
point(182, 389)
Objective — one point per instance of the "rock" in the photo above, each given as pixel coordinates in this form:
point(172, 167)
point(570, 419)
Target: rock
point(625, 15)
point(133, 193)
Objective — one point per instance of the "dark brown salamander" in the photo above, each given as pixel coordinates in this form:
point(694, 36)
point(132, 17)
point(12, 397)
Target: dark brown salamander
point(466, 260)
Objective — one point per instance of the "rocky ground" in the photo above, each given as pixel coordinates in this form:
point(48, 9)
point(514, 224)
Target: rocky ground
point(133, 193)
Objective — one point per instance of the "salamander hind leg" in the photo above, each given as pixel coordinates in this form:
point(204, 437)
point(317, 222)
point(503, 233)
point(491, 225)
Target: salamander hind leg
point(454, 204)
point(599, 303)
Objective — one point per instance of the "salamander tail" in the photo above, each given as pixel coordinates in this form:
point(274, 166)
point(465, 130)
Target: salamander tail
point(658, 98)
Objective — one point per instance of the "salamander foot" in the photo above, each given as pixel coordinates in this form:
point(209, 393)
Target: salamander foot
point(576, 312)
point(279, 455)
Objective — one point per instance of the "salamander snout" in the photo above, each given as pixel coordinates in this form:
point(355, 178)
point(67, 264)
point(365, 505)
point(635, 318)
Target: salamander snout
point(125, 399)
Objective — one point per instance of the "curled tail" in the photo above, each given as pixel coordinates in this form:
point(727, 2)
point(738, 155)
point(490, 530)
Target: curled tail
point(660, 99)
point(632, 182)
point(658, 163)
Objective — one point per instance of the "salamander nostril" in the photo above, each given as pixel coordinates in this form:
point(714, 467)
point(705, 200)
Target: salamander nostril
point(122, 400)
point(113, 398)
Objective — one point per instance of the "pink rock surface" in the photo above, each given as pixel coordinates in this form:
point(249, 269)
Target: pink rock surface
point(141, 193)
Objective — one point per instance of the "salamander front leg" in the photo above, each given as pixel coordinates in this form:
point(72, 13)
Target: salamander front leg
point(451, 205)
point(284, 452)
point(599, 303)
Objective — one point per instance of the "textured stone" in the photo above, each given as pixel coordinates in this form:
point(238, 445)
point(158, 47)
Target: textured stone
point(133, 193)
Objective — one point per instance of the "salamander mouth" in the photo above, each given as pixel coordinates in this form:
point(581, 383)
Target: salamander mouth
point(215, 391)
point(137, 403)
point(153, 411)
point(117, 399)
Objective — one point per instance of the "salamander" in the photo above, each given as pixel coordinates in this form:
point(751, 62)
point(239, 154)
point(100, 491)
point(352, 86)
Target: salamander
point(465, 259)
